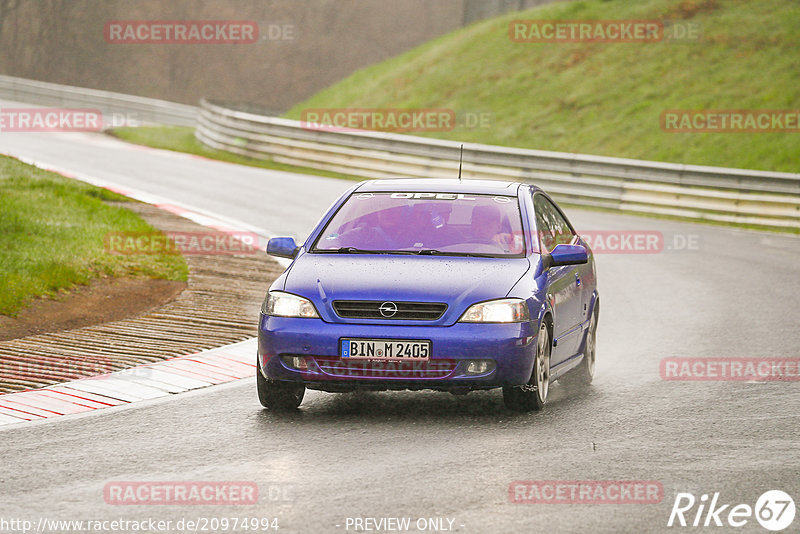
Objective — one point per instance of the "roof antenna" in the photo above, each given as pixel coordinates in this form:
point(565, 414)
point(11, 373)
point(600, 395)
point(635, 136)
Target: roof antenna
point(460, 160)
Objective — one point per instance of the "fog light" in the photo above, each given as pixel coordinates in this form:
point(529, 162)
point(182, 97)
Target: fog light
point(296, 362)
point(479, 367)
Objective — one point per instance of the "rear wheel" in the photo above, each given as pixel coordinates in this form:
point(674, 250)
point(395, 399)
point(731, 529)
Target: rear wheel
point(276, 395)
point(584, 373)
point(533, 395)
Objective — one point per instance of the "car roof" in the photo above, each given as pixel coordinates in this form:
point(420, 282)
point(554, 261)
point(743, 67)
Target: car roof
point(438, 185)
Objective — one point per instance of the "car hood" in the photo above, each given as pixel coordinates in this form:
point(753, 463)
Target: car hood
point(457, 281)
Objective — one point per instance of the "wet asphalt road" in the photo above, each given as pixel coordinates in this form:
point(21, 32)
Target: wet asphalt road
point(428, 455)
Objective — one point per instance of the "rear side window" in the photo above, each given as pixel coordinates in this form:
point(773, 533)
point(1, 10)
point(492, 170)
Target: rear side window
point(552, 227)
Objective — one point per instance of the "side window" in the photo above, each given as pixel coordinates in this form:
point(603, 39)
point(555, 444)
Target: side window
point(543, 225)
point(552, 227)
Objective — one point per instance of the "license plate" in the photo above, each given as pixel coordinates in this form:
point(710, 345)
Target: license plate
point(386, 349)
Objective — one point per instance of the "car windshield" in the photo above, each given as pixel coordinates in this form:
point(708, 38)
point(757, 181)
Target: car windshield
point(425, 223)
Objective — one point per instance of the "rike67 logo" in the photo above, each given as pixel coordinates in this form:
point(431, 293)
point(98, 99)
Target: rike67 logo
point(774, 510)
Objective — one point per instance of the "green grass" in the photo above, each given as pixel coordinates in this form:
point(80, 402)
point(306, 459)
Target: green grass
point(182, 139)
point(603, 98)
point(52, 232)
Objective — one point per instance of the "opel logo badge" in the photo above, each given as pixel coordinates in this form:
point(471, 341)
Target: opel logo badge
point(388, 309)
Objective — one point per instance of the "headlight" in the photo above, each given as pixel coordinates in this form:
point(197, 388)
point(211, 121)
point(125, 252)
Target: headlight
point(497, 311)
point(287, 305)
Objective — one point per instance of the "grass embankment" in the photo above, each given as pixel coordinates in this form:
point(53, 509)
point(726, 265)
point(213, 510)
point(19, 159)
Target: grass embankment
point(52, 236)
point(591, 98)
point(603, 98)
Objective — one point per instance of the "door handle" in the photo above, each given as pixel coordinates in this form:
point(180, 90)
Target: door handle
point(577, 280)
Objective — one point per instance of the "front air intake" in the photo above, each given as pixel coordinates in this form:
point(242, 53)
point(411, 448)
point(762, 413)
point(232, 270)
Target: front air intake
point(389, 310)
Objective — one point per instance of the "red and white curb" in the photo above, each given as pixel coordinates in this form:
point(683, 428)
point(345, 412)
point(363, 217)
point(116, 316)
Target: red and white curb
point(149, 381)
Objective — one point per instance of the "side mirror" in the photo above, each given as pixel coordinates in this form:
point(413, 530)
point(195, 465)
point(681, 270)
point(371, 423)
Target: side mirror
point(283, 247)
point(567, 255)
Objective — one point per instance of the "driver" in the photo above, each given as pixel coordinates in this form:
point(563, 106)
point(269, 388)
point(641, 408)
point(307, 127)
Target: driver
point(486, 224)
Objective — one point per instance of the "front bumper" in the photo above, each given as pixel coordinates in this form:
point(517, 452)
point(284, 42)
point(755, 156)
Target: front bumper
point(511, 347)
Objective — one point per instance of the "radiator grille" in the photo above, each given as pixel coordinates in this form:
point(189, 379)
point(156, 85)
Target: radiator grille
point(375, 309)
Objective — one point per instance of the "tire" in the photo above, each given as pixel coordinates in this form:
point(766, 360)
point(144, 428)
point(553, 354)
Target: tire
point(533, 395)
point(276, 395)
point(584, 373)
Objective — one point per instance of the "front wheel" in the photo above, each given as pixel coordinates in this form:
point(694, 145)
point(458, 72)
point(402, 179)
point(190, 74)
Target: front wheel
point(276, 395)
point(533, 395)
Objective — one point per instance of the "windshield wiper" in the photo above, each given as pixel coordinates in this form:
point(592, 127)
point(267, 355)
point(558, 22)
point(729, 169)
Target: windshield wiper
point(424, 252)
point(354, 250)
point(434, 252)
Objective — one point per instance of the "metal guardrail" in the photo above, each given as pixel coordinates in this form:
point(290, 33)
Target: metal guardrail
point(695, 192)
point(124, 108)
point(690, 191)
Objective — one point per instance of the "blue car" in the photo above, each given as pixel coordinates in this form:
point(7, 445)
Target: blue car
point(431, 284)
